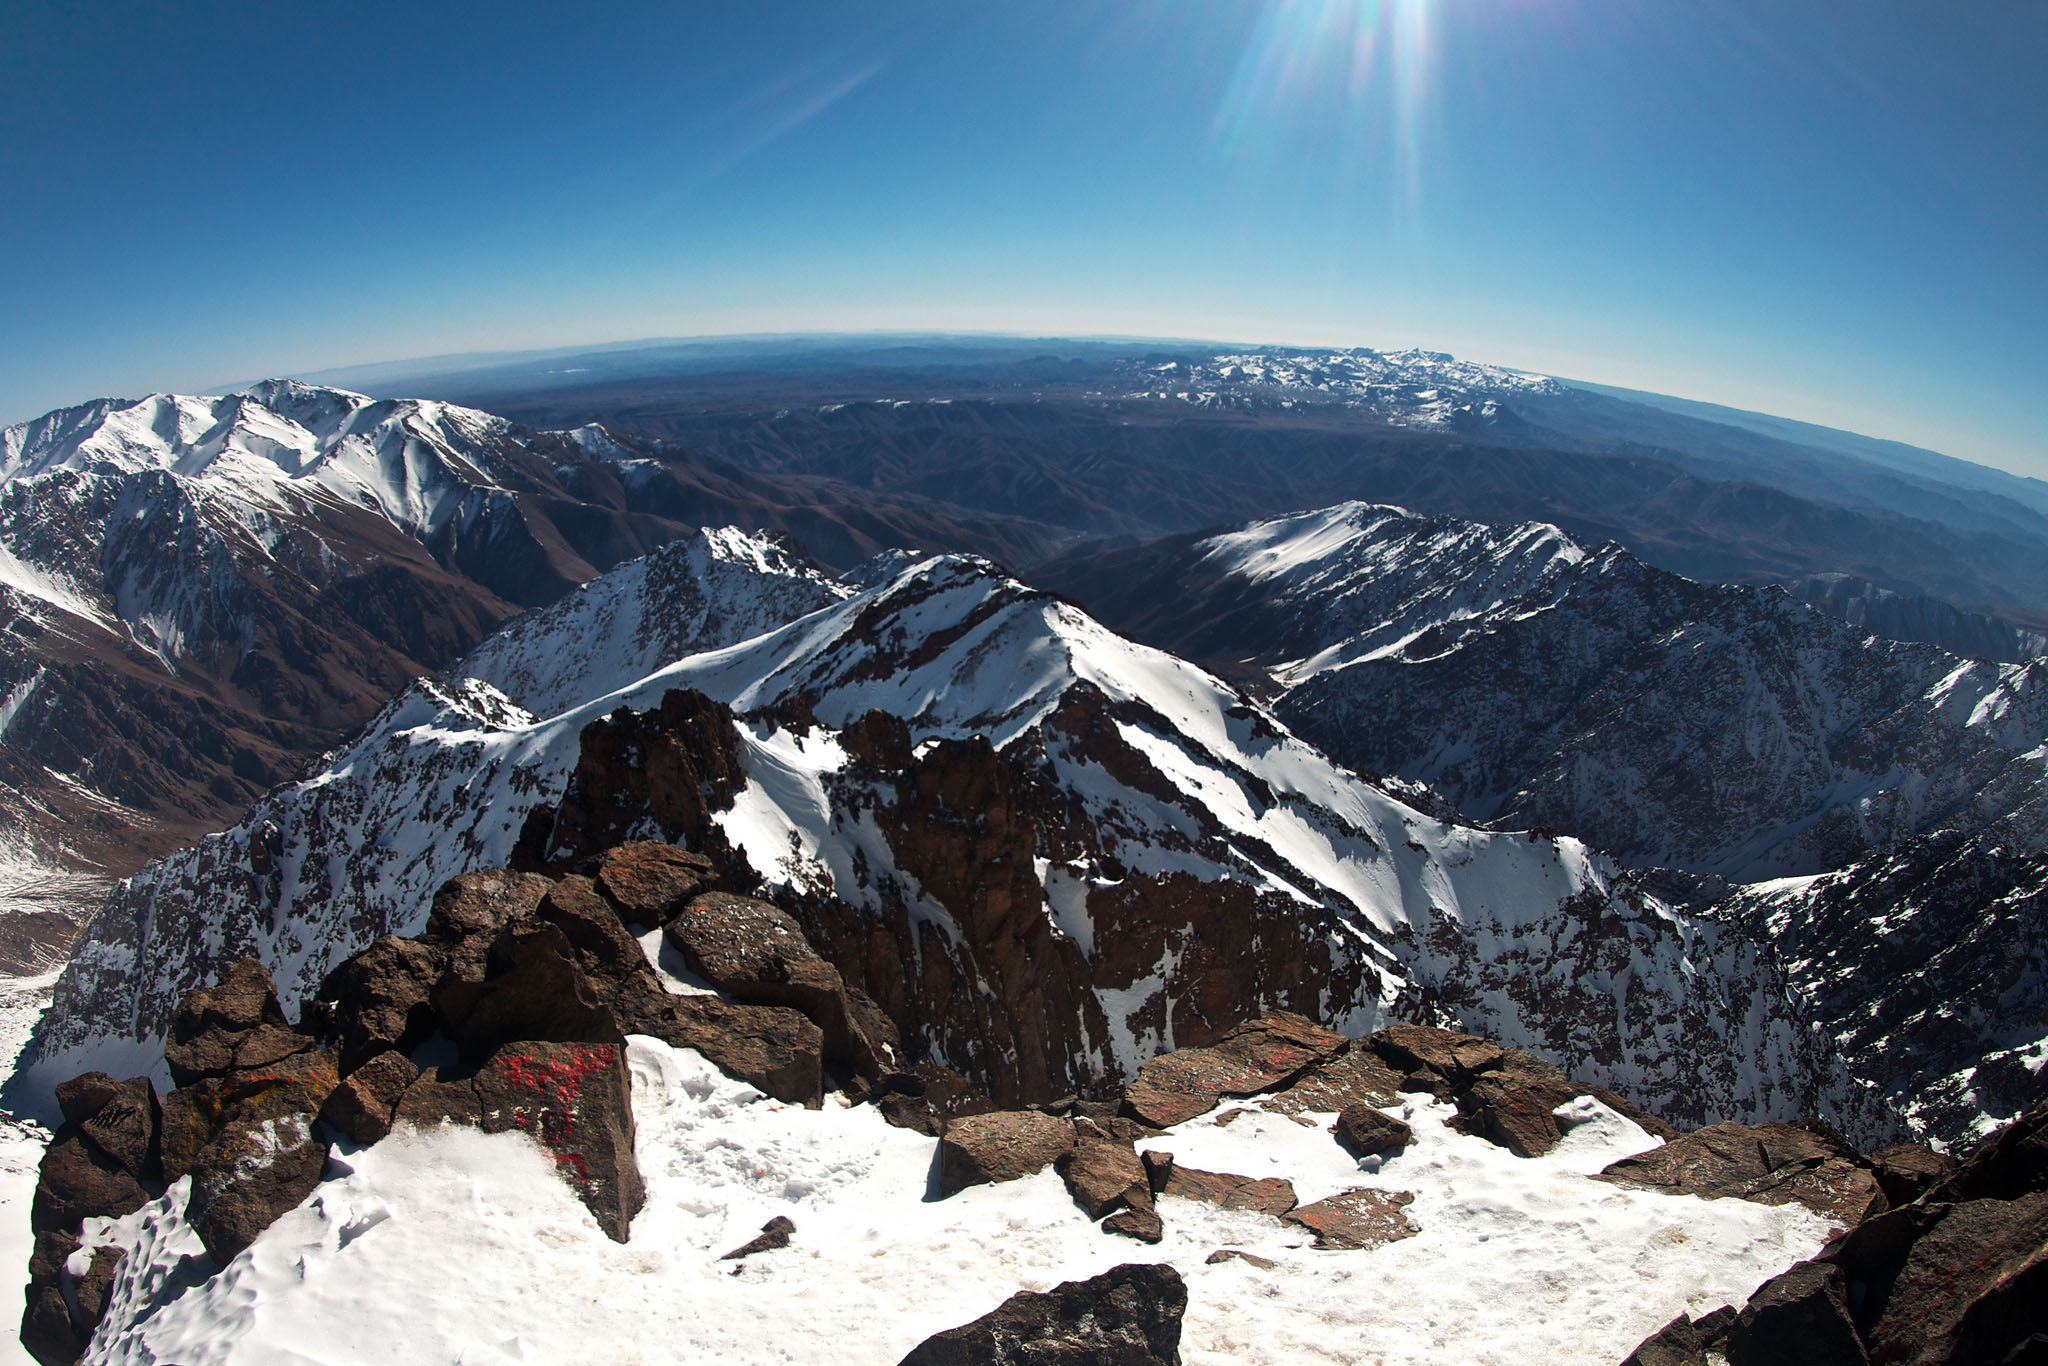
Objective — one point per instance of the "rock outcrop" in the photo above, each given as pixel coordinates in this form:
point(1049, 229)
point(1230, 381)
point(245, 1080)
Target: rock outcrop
point(1958, 1275)
point(1128, 1316)
point(1772, 1164)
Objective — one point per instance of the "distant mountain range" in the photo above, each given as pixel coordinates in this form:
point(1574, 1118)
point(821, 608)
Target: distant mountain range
point(1497, 760)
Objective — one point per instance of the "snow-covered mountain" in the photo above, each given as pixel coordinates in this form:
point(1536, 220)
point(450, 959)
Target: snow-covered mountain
point(198, 594)
point(1896, 797)
point(715, 588)
point(1058, 794)
point(1431, 390)
point(1536, 682)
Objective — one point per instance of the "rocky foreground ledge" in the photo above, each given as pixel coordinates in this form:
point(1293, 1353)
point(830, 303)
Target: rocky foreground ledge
point(511, 1010)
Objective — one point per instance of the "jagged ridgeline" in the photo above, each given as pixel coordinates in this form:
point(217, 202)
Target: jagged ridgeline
point(1045, 851)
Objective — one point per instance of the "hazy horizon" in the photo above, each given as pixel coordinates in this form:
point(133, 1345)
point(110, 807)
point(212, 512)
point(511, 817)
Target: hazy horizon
point(1811, 210)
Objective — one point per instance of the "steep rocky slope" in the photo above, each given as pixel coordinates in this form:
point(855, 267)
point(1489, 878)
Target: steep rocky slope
point(199, 594)
point(1533, 681)
point(1730, 731)
point(1032, 783)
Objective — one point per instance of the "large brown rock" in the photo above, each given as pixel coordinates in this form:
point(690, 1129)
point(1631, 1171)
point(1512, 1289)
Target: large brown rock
point(79, 1181)
point(1356, 1077)
point(1261, 1055)
point(1128, 1316)
point(1772, 1164)
point(123, 1119)
point(260, 1163)
point(773, 1048)
point(1356, 1219)
point(1411, 1049)
point(926, 1097)
point(574, 1099)
point(1260, 1195)
point(536, 989)
point(1677, 1343)
point(382, 998)
point(1971, 1286)
point(1801, 1316)
point(2011, 1163)
point(757, 953)
point(608, 955)
point(1907, 1171)
point(364, 1105)
point(1366, 1132)
point(650, 882)
point(468, 913)
point(233, 1027)
point(195, 1115)
point(61, 1310)
point(1002, 1146)
point(1104, 1177)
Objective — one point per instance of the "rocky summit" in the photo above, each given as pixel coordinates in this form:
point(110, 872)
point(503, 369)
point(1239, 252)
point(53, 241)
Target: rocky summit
point(558, 1011)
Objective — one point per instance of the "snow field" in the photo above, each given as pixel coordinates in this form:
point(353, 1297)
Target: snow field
point(455, 1246)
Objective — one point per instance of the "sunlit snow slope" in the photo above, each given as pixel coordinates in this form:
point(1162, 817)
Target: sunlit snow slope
point(1528, 938)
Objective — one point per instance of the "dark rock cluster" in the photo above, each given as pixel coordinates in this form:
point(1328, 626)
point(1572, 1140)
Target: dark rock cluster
point(522, 987)
point(1128, 1316)
point(1955, 1271)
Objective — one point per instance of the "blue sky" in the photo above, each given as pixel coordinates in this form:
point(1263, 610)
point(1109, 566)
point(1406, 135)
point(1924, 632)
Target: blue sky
point(1832, 211)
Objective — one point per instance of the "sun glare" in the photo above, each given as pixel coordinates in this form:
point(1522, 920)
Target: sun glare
point(1359, 67)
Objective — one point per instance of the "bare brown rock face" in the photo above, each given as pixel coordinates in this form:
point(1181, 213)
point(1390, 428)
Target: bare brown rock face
point(1259, 1056)
point(1272, 1195)
point(1006, 998)
point(1129, 1316)
point(1772, 1164)
point(650, 881)
point(1002, 1146)
point(1356, 1219)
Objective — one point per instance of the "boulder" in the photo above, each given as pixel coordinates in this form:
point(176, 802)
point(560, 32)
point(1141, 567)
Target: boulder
point(2011, 1163)
point(610, 957)
point(649, 882)
point(1800, 1316)
point(79, 1181)
point(1677, 1343)
point(363, 1106)
point(1002, 1146)
point(574, 1099)
point(382, 998)
point(926, 1096)
point(1237, 1254)
point(233, 1027)
point(123, 1119)
point(261, 1162)
point(774, 1234)
point(1132, 1222)
point(1356, 1219)
point(1412, 1049)
point(1365, 1131)
point(1261, 1055)
point(1971, 1285)
point(468, 914)
point(535, 990)
point(1262, 1195)
point(773, 1048)
point(1772, 1164)
point(1103, 1176)
point(195, 1115)
point(757, 953)
point(61, 1310)
point(1128, 1316)
point(1906, 1171)
point(1356, 1077)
